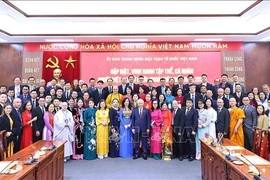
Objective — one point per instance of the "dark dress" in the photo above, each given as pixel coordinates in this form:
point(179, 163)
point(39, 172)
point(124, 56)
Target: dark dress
point(89, 150)
point(114, 138)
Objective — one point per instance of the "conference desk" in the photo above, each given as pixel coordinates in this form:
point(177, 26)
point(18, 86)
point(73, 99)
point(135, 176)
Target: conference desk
point(214, 165)
point(49, 166)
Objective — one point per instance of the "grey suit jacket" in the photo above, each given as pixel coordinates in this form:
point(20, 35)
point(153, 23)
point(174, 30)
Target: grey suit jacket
point(251, 116)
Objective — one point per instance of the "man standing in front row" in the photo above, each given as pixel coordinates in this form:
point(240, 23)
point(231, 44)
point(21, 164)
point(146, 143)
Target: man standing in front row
point(140, 128)
point(190, 129)
point(223, 120)
point(250, 123)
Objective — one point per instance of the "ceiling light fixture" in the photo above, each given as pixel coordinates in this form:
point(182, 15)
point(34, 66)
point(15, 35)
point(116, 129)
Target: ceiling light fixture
point(209, 39)
point(133, 40)
point(59, 40)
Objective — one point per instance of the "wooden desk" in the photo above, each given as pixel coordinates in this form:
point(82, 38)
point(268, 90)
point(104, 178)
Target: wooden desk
point(215, 166)
point(49, 166)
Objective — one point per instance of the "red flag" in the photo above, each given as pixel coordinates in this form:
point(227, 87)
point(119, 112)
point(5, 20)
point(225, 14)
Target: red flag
point(68, 62)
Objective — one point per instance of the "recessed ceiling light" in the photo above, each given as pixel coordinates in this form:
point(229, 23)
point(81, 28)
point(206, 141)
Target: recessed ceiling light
point(133, 40)
point(209, 39)
point(267, 38)
point(59, 40)
point(3, 40)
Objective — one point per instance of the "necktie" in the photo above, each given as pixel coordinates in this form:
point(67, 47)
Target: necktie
point(34, 103)
point(193, 101)
point(19, 114)
point(187, 111)
point(67, 95)
point(174, 112)
point(25, 97)
point(110, 89)
point(219, 110)
point(140, 112)
point(42, 109)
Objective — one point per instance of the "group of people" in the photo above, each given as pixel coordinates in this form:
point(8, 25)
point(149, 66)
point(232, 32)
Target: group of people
point(134, 120)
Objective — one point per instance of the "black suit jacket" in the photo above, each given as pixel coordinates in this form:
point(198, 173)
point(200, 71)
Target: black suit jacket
point(140, 123)
point(5, 125)
point(191, 120)
point(96, 97)
point(121, 90)
point(38, 125)
point(179, 121)
point(197, 98)
point(159, 90)
point(226, 102)
point(267, 113)
point(223, 120)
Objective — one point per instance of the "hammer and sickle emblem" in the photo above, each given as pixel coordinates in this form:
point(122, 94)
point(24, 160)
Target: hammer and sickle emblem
point(53, 64)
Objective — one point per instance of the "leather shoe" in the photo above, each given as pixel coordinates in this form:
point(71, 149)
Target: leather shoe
point(136, 157)
point(181, 158)
point(191, 159)
point(145, 157)
point(186, 157)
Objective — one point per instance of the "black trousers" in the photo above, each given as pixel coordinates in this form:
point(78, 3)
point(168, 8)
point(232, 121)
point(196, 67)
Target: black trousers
point(140, 136)
point(17, 142)
point(248, 138)
point(176, 144)
point(189, 144)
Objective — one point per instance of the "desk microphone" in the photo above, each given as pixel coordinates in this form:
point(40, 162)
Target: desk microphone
point(255, 177)
point(228, 156)
point(29, 161)
point(212, 143)
point(52, 147)
point(3, 170)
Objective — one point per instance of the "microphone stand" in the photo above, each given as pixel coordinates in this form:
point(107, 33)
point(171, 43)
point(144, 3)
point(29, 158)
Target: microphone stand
point(255, 177)
point(212, 142)
point(29, 161)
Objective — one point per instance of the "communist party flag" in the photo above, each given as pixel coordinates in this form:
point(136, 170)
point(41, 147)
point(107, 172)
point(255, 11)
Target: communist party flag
point(68, 62)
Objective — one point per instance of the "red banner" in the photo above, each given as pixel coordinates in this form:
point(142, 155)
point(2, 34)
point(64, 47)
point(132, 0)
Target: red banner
point(152, 65)
point(68, 62)
point(149, 46)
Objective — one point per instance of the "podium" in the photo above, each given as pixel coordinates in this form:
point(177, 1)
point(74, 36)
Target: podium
point(215, 166)
point(49, 166)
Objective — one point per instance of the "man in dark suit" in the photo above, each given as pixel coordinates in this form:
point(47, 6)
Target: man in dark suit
point(3, 100)
point(52, 86)
point(137, 87)
point(150, 87)
point(140, 128)
point(191, 81)
point(223, 120)
point(60, 96)
point(221, 96)
point(205, 83)
point(123, 86)
point(178, 123)
point(99, 93)
point(190, 129)
point(10, 96)
point(179, 85)
point(92, 85)
point(108, 89)
point(25, 96)
point(131, 79)
point(193, 96)
point(84, 89)
point(16, 117)
point(38, 125)
point(215, 88)
point(250, 123)
point(266, 90)
point(162, 87)
point(17, 87)
point(68, 90)
point(34, 99)
point(238, 95)
point(224, 83)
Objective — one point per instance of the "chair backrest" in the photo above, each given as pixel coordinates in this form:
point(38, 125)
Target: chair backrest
point(3, 144)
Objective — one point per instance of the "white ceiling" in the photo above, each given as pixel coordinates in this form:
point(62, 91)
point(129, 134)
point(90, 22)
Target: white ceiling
point(105, 21)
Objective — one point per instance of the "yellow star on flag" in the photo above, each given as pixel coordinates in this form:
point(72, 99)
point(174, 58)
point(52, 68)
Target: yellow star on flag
point(70, 61)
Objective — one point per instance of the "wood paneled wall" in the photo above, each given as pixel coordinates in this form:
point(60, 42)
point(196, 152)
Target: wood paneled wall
point(11, 56)
point(257, 64)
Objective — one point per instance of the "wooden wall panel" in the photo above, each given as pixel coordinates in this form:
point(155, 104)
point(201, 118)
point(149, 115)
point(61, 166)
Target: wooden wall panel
point(11, 56)
point(257, 64)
